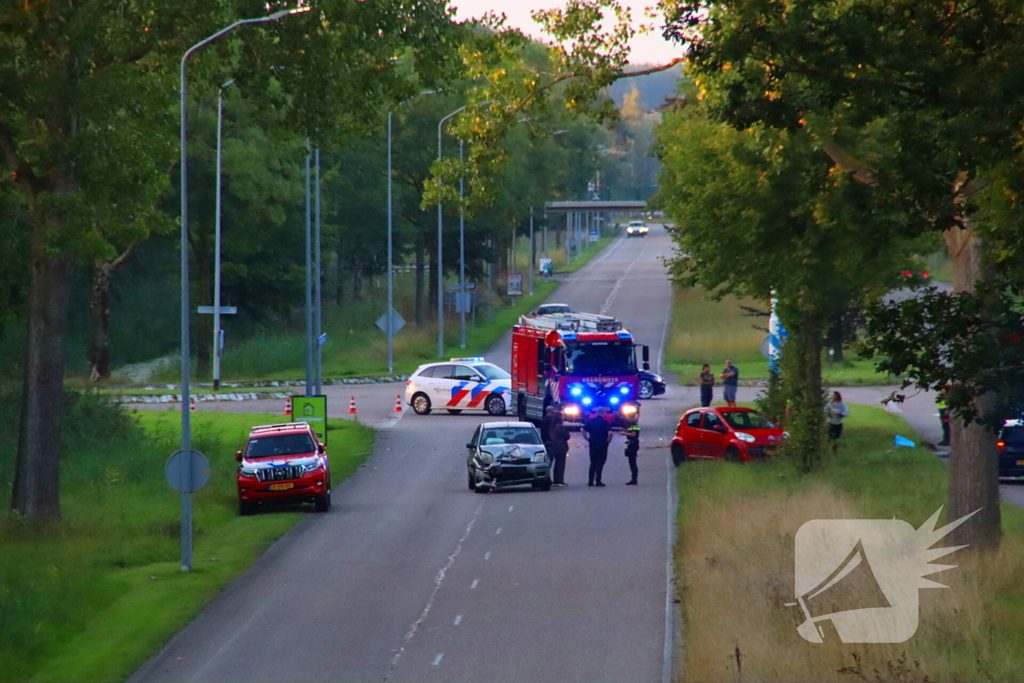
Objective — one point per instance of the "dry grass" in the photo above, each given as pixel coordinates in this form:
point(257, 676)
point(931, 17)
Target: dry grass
point(709, 331)
point(735, 569)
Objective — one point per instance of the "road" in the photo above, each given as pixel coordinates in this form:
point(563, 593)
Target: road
point(411, 577)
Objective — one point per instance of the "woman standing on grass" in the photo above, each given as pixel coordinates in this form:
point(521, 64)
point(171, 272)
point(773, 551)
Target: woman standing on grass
point(835, 411)
point(706, 381)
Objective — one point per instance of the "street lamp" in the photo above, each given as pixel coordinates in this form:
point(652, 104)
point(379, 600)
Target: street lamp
point(391, 261)
point(186, 361)
point(216, 242)
point(440, 235)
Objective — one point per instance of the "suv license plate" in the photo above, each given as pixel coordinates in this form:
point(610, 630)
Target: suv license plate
point(281, 487)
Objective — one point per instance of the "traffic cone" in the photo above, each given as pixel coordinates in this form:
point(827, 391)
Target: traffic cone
point(398, 403)
point(288, 406)
point(192, 403)
point(352, 406)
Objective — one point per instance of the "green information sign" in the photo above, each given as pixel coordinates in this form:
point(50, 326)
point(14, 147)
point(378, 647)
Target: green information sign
point(312, 409)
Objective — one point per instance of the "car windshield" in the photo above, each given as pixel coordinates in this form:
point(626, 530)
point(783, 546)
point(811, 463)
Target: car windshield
point(279, 444)
point(507, 435)
point(492, 371)
point(744, 420)
point(600, 358)
point(552, 310)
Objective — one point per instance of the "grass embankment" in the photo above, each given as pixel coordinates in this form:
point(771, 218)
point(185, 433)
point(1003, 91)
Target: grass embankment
point(708, 331)
point(90, 598)
point(735, 566)
point(356, 347)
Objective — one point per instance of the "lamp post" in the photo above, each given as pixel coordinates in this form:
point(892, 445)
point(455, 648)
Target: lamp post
point(186, 360)
point(318, 313)
point(216, 241)
point(440, 235)
point(462, 254)
point(309, 278)
point(532, 259)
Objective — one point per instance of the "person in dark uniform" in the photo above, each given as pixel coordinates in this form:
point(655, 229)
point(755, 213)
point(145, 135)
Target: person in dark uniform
point(546, 422)
point(598, 434)
point(632, 451)
point(558, 448)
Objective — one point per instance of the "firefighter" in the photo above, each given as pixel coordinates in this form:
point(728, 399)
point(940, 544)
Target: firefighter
point(632, 451)
point(598, 434)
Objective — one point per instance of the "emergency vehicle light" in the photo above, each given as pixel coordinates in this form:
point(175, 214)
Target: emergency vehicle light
point(474, 359)
point(623, 334)
point(568, 336)
point(624, 390)
point(576, 391)
point(614, 400)
point(587, 400)
point(629, 409)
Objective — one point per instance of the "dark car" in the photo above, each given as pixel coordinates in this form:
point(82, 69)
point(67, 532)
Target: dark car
point(650, 384)
point(503, 454)
point(1011, 450)
point(734, 434)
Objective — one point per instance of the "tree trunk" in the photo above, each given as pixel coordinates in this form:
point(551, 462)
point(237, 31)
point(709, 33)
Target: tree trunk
point(836, 334)
point(801, 374)
point(973, 461)
point(36, 495)
point(99, 308)
point(421, 308)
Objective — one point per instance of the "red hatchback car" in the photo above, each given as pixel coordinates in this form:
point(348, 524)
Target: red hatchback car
point(734, 434)
point(283, 463)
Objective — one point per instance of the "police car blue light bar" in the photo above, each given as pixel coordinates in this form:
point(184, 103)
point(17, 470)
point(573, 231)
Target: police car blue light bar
point(474, 359)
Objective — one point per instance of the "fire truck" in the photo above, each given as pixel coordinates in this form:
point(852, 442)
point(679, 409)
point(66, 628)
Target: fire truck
point(576, 362)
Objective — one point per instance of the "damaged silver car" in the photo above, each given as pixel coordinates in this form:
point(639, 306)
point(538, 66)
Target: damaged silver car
point(504, 454)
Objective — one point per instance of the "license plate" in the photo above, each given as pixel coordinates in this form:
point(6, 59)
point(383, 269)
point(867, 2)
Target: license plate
point(1020, 463)
point(281, 487)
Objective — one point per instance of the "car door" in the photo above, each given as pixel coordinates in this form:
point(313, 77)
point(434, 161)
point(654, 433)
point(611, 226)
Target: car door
point(692, 442)
point(715, 441)
point(464, 381)
point(441, 385)
point(472, 446)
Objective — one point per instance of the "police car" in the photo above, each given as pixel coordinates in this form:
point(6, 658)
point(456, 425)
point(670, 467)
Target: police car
point(460, 384)
point(636, 229)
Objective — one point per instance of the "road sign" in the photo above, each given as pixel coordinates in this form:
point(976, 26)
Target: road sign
point(321, 339)
point(397, 322)
point(177, 471)
point(312, 409)
point(593, 235)
point(515, 284)
point(224, 310)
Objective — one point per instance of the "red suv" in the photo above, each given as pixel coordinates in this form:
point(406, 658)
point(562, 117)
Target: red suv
point(735, 434)
point(284, 462)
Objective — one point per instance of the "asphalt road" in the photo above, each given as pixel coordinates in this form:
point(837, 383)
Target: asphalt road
point(411, 577)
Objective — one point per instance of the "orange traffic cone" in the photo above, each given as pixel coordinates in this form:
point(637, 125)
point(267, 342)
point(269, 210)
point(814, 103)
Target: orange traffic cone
point(192, 403)
point(398, 403)
point(352, 406)
point(288, 406)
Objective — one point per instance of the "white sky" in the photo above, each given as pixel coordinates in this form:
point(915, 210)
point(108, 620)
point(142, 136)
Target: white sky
point(650, 48)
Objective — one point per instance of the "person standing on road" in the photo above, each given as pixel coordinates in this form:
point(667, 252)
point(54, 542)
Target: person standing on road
point(835, 411)
point(730, 380)
point(546, 422)
point(942, 404)
point(632, 451)
point(558, 448)
point(706, 382)
point(598, 434)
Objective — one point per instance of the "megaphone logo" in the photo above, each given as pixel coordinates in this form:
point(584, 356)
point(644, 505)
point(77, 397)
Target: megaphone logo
point(857, 580)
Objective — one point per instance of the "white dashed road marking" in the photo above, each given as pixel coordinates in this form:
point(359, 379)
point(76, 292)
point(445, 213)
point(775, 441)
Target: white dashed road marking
point(474, 584)
point(437, 659)
point(458, 619)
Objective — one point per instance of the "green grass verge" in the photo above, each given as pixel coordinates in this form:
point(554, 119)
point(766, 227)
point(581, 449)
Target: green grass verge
point(357, 348)
point(707, 331)
point(195, 390)
point(734, 557)
point(92, 597)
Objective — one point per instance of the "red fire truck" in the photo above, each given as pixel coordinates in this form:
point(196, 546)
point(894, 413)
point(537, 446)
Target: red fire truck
point(575, 362)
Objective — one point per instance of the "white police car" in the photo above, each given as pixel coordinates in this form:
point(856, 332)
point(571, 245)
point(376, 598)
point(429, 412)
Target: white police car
point(460, 384)
point(636, 229)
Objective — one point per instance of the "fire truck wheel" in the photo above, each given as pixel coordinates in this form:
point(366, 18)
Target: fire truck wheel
point(421, 404)
point(496, 406)
point(454, 412)
point(646, 388)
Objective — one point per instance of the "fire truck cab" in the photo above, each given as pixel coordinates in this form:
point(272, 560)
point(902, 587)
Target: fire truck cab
point(576, 362)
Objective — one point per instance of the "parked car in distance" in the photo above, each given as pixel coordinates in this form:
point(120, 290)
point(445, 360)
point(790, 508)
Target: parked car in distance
point(504, 454)
point(651, 385)
point(283, 463)
point(636, 229)
point(1011, 450)
point(734, 434)
point(553, 309)
point(458, 385)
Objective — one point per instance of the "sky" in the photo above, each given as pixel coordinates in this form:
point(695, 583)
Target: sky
point(646, 49)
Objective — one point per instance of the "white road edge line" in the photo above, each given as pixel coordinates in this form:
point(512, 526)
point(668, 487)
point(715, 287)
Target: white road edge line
point(438, 580)
point(668, 651)
point(437, 659)
point(618, 283)
point(579, 273)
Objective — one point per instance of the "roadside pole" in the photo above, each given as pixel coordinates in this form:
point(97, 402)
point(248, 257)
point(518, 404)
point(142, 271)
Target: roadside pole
point(532, 258)
point(316, 283)
point(309, 279)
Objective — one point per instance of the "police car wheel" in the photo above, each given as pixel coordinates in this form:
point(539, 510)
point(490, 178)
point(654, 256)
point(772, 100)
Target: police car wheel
point(496, 406)
point(454, 412)
point(646, 388)
point(421, 404)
